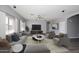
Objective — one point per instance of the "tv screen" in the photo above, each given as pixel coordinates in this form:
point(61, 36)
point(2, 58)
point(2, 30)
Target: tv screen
point(36, 27)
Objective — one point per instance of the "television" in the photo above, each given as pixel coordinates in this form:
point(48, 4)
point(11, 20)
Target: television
point(36, 27)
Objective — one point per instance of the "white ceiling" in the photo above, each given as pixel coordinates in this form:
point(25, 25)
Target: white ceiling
point(46, 12)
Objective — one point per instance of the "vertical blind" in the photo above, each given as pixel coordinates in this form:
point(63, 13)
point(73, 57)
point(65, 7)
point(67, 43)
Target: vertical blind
point(11, 24)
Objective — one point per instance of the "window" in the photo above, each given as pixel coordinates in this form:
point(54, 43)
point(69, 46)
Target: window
point(22, 25)
point(7, 21)
point(10, 25)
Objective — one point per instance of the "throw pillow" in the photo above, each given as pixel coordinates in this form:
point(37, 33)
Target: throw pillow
point(15, 37)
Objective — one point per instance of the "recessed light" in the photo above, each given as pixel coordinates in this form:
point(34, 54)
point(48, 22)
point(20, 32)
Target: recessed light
point(63, 11)
point(14, 6)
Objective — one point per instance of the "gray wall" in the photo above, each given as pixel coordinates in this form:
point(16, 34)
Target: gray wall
point(73, 26)
point(40, 22)
point(2, 24)
point(50, 28)
point(63, 27)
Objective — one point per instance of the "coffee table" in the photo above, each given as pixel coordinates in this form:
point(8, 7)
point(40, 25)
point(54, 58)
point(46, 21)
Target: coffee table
point(38, 37)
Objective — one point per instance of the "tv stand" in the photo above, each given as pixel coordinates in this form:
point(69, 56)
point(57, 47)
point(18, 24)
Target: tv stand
point(36, 32)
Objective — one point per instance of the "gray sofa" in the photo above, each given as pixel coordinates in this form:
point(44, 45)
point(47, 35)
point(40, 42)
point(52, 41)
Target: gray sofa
point(70, 43)
point(63, 40)
point(21, 41)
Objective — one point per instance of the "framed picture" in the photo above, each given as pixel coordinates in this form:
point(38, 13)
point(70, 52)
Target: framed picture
point(55, 26)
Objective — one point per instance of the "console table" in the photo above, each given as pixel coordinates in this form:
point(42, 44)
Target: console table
point(36, 32)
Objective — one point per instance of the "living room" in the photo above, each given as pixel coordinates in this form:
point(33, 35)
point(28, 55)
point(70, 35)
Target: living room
point(39, 29)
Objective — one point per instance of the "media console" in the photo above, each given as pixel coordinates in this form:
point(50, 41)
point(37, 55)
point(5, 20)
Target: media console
point(36, 32)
